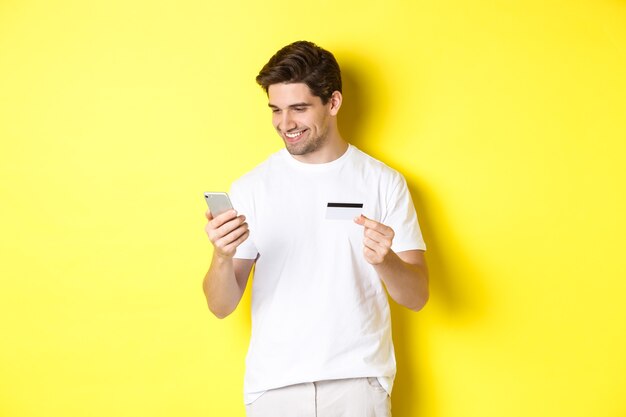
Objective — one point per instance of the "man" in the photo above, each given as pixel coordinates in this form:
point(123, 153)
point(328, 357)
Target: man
point(321, 333)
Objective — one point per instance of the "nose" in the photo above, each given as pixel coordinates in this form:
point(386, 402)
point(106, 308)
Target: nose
point(286, 122)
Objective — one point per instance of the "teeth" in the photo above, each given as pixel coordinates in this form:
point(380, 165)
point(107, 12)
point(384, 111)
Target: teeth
point(293, 135)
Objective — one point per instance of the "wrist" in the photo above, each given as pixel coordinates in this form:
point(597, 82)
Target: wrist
point(222, 258)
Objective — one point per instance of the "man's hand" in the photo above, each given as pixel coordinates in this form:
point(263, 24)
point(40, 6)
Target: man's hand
point(377, 240)
point(226, 279)
point(226, 232)
point(405, 274)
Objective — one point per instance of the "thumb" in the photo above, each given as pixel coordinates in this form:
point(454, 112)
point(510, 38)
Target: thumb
point(360, 219)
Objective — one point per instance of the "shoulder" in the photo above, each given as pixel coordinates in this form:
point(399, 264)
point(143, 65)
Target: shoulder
point(370, 165)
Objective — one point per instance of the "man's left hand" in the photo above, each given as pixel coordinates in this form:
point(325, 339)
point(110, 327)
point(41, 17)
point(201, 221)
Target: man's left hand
point(377, 240)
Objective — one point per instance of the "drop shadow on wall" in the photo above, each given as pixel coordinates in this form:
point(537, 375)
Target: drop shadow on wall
point(449, 292)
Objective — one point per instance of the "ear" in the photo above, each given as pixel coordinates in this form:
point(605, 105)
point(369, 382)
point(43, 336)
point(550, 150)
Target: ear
point(335, 102)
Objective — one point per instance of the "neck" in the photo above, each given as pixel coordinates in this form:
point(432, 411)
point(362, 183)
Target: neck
point(333, 149)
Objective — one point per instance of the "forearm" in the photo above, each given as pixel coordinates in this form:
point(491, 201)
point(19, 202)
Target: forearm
point(221, 289)
point(406, 283)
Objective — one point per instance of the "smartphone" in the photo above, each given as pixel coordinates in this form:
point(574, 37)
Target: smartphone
point(218, 203)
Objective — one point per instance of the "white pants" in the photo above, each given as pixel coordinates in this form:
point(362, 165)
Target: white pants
point(356, 397)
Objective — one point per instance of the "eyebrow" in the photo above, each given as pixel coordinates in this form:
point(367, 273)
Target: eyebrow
point(291, 106)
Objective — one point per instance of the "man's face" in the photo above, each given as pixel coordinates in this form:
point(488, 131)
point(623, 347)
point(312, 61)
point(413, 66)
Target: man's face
point(299, 117)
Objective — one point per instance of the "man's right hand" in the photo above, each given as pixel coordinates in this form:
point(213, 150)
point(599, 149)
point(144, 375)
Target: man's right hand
point(226, 232)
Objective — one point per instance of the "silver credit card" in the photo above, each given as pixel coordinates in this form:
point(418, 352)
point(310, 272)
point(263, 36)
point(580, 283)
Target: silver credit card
point(343, 211)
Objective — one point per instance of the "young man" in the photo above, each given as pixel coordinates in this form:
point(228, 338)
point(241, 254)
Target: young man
point(329, 228)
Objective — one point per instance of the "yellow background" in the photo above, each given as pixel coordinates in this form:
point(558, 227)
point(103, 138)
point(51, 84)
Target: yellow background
point(507, 119)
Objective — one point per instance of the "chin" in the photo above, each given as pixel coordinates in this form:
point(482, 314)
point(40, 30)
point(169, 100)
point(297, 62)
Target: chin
point(297, 149)
point(297, 152)
point(303, 148)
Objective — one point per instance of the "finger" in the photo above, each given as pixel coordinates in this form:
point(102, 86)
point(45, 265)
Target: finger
point(229, 227)
point(229, 238)
point(375, 246)
point(218, 221)
point(371, 256)
point(235, 244)
point(216, 233)
point(208, 215)
point(372, 224)
point(378, 237)
point(370, 244)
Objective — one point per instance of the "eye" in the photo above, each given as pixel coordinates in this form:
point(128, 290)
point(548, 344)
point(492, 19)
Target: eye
point(274, 110)
point(299, 109)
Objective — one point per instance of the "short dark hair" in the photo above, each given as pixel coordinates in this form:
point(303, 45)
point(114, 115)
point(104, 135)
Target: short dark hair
point(303, 62)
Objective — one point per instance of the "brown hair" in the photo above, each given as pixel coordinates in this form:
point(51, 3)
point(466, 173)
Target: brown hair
point(303, 62)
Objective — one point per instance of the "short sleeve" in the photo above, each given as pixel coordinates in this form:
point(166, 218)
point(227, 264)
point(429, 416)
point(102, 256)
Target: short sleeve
point(242, 202)
point(402, 218)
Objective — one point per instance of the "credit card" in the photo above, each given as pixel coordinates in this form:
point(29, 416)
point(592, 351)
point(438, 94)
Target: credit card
point(343, 211)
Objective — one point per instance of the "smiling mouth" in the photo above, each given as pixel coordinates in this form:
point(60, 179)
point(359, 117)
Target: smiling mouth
point(294, 136)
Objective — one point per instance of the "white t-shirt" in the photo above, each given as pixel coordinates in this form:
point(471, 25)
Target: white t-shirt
point(319, 310)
